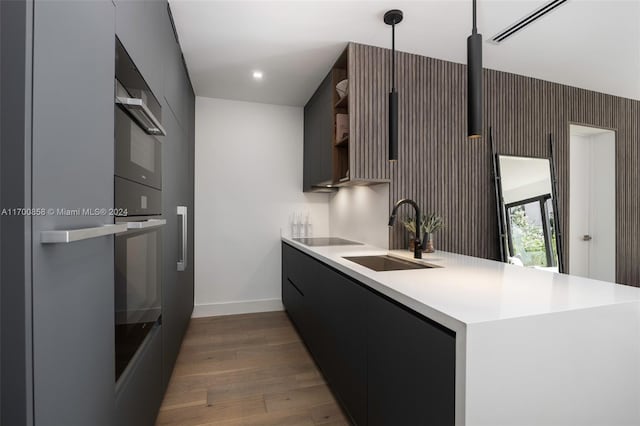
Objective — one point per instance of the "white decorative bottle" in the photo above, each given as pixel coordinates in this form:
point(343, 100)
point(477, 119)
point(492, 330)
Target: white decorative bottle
point(294, 225)
point(308, 227)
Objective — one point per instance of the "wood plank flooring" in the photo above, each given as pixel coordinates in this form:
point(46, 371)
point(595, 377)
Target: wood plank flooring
point(247, 370)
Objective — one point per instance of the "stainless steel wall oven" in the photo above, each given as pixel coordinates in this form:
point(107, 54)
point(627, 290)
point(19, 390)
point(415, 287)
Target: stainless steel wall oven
point(138, 193)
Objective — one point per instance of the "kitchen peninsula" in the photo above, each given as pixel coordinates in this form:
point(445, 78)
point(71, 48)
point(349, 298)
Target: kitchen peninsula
point(530, 346)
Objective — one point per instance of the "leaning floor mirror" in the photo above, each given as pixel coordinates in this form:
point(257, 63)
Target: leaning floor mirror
point(527, 209)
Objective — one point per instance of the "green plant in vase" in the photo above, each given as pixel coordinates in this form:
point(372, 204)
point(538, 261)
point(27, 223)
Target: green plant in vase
point(431, 224)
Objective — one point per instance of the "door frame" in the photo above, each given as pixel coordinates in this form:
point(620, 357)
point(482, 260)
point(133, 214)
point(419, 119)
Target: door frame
point(568, 188)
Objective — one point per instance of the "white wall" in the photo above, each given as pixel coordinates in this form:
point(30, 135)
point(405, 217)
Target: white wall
point(361, 213)
point(248, 182)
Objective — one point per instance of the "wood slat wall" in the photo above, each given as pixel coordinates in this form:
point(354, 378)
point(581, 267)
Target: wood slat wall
point(451, 175)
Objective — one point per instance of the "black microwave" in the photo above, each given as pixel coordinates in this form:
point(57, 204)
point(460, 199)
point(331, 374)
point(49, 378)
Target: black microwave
point(138, 154)
point(138, 151)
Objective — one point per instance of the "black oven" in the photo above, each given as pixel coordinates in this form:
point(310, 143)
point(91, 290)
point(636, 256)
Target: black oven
point(138, 196)
point(138, 285)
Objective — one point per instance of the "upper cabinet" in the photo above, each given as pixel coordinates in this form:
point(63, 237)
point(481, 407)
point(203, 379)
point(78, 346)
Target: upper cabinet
point(144, 29)
point(147, 31)
point(345, 127)
point(177, 88)
point(317, 136)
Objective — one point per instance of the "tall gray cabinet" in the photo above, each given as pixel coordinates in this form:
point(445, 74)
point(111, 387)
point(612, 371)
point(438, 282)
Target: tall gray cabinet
point(57, 152)
point(72, 167)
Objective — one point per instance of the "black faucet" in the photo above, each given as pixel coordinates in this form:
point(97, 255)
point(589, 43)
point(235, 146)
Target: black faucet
point(417, 246)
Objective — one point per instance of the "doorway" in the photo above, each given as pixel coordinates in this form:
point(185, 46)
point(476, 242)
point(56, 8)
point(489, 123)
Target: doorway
point(592, 202)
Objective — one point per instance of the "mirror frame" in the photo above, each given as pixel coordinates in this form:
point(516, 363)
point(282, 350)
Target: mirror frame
point(503, 235)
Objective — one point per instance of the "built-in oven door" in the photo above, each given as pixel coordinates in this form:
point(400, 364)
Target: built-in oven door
point(138, 289)
point(138, 154)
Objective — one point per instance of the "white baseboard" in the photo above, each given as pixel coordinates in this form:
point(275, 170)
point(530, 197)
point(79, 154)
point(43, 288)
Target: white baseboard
point(233, 308)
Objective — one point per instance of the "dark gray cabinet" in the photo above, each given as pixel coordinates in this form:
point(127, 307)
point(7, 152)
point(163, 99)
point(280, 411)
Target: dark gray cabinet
point(297, 279)
point(15, 230)
point(177, 87)
point(329, 311)
point(177, 290)
point(340, 317)
point(385, 363)
point(72, 167)
point(144, 29)
point(411, 367)
point(140, 393)
point(318, 137)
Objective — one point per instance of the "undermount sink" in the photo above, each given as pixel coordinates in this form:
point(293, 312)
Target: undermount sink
point(387, 263)
point(326, 241)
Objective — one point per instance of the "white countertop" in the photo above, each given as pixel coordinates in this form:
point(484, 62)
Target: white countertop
point(468, 290)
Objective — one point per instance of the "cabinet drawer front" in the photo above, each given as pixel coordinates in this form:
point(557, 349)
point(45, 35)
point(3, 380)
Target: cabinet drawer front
point(300, 268)
point(293, 301)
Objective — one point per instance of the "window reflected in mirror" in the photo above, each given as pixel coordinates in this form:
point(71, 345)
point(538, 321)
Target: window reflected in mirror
point(528, 214)
point(530, 232)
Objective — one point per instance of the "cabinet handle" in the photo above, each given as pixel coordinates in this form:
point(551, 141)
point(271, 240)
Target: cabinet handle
point(182, 263)
point(146, 224)
point(142, 114)
point(71, 235)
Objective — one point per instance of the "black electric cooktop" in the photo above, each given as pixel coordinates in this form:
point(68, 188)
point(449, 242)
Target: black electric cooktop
point(326, 241)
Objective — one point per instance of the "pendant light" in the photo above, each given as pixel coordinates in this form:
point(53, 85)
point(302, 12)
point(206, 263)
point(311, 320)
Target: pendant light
point(474, 81)
point(393, 17)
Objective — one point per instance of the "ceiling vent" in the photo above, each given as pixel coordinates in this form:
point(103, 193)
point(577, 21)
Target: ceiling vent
point(526, 21)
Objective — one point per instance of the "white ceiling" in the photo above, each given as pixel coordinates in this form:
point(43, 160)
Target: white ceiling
point(593, 44)
point(518, 172)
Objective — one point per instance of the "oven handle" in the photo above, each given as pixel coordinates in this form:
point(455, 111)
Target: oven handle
point(137, 105)
point(146, 224)
point(182, 263)
point(71, 235)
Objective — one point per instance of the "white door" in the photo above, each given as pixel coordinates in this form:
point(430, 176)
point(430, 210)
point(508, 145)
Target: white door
point(592, 185)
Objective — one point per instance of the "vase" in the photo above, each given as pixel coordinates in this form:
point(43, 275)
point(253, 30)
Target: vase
point(412, 243)
point(429, 246)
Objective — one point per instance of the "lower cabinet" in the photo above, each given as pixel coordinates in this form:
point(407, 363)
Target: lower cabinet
point(410, 367)
point(386, 364)
point(139, 395)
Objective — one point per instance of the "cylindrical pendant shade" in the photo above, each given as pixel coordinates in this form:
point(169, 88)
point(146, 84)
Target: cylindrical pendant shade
point(393, 17)
point(474, 85)
point(393, 125)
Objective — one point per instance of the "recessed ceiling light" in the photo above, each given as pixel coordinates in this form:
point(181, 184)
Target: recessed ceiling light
point(257, 75)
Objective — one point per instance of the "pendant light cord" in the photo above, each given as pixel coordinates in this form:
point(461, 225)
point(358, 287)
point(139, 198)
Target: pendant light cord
point(475, 29)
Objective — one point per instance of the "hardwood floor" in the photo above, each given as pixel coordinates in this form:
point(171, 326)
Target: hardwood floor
point(247, 370)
